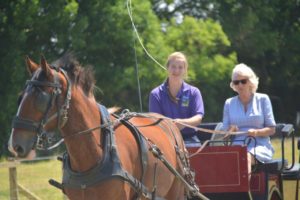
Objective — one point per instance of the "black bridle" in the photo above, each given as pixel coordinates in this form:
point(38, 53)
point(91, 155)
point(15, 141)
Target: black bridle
point(45, 102)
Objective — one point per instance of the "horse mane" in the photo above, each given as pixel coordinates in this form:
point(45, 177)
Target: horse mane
point(80, 76)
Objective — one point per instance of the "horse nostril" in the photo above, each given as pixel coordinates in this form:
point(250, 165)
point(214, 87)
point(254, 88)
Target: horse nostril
point(19, 150)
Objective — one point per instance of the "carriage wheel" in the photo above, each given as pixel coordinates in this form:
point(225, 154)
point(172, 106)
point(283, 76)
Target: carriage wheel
point(275, 194)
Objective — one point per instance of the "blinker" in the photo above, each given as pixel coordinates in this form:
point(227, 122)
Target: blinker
point(42, 100)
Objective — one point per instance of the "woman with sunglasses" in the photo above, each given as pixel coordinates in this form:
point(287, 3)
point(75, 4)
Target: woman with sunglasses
point(250, 112)
point(178, 100)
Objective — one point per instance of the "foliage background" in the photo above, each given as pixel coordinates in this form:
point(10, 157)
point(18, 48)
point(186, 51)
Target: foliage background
point(215, 35)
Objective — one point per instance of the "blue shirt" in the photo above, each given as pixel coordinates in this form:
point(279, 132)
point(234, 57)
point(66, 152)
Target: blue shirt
point(189, 103)
point(259, 114)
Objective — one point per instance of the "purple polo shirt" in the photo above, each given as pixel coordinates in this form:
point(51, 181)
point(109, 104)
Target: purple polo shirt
point(189, 104)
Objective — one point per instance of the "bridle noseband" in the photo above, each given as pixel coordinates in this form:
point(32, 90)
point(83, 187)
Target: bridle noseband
point(45, 102)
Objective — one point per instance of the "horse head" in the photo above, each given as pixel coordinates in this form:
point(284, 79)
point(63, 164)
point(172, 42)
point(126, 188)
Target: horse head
point(41, 105)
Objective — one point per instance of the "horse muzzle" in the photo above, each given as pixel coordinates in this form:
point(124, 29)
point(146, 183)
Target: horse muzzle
point(21, 143)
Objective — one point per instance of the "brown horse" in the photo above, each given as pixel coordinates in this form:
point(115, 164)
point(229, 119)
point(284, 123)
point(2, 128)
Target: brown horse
point(60, 97)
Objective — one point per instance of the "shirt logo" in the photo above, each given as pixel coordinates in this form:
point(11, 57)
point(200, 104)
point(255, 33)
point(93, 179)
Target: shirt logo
point(185, 101)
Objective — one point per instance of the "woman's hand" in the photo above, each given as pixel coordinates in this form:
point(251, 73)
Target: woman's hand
point(179, 124)
point(253, 132)
point(233, 128)
point(188, 122)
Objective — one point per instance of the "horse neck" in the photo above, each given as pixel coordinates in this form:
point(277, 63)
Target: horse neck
point(84, 149)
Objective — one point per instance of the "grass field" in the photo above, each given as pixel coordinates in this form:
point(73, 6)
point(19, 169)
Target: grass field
point(35, 175)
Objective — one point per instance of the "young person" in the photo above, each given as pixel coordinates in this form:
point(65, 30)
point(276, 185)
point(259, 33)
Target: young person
point(177, 99)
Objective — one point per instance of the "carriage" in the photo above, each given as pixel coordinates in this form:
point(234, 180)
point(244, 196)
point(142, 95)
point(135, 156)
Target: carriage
point(221, 169)
point(134, 155)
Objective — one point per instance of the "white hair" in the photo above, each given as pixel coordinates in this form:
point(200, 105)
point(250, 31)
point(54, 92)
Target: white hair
point(243, 70)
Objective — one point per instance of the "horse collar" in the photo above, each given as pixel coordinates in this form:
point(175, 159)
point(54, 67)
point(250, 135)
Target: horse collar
point(109, 168)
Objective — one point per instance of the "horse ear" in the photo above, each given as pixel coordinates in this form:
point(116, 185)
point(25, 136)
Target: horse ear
point(44, 65)
point(31, 66)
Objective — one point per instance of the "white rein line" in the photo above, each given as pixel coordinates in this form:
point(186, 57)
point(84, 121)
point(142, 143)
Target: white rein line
point(194, 127)
point(117, 121)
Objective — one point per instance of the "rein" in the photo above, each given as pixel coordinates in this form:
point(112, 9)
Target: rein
point(110, 123)
point(226, 133)
point(127, 114)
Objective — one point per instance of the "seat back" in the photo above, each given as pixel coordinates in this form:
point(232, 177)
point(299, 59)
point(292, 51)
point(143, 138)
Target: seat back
point(262, 173)
point(277, 165)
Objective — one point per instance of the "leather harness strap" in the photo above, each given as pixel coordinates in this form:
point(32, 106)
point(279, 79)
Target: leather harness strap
point(110, 166)
point(142, 145)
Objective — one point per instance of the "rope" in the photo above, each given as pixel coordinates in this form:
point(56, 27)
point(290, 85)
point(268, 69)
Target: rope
point(128, 4)
point(137, 78)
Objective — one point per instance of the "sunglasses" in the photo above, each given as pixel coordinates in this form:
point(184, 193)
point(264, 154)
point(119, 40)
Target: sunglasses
point(243, 81)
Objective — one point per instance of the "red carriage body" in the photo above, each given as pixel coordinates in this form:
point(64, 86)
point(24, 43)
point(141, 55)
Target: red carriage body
point(221, 173)
point(221, 169)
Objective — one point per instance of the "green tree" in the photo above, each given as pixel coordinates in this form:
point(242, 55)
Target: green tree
point(264, 34)
point(27, 28)
point(204, 43)
point(106, 40)
point(200, 9)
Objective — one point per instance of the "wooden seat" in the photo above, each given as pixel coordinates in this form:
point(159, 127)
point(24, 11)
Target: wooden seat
point(273, 166)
